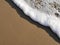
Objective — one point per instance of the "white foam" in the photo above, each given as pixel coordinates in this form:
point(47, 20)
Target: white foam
point(43, 18)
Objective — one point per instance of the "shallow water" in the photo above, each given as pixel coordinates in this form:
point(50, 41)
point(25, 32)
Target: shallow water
point(51, 7)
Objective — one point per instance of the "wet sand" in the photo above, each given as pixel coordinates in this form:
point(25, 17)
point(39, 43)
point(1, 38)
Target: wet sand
point(15, 30)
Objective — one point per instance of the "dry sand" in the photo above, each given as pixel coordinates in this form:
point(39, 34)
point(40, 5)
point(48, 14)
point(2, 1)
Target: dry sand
point(15, 30)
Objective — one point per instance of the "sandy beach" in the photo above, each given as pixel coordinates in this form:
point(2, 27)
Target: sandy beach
point(15, 29)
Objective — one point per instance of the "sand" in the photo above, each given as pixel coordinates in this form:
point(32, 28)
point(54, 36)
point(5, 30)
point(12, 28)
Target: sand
point(16, 30)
